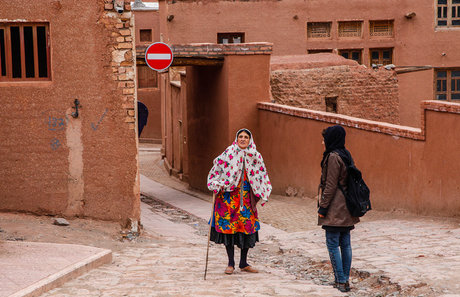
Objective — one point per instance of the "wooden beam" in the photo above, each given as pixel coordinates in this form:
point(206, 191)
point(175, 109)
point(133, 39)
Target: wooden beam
point(408, 69)
point(190, 61)
point(198, 62)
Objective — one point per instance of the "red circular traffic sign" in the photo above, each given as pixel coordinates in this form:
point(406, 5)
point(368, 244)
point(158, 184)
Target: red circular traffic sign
point(159, 56)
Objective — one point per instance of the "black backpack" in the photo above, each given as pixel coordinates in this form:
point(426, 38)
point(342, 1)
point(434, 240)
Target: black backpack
point(357, 193)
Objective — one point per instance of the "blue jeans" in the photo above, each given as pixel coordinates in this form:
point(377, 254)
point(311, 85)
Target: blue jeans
point(340, 258)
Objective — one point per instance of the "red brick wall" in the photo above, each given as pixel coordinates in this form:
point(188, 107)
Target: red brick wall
point(360, 92)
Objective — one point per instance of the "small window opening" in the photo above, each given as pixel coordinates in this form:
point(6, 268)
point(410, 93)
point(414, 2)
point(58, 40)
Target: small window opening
point(145, 35)
point(237, 37)
point(331, 104)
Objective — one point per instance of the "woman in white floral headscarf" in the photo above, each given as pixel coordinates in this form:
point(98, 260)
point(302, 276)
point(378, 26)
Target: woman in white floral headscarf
point(239, 178)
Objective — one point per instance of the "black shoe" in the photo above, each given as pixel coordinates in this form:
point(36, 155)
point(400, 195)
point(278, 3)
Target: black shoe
point(343, 287)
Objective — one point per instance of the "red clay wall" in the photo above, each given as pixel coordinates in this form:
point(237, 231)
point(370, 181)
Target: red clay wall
point(405, 168)
point(416, 41)
point(360, 92)
point(149, 96)
point(51, 162)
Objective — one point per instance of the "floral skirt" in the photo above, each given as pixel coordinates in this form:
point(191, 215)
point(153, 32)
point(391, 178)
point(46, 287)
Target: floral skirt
point(233, 212)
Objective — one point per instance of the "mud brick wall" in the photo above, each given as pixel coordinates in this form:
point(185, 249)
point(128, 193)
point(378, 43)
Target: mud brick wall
point(405, 167)
point(360, 92)
point(53, 163)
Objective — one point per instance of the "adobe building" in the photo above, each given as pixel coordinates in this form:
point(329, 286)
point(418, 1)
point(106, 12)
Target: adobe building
point(403, 33)
point(67, 119)
point(406, 167)
point(218, 91)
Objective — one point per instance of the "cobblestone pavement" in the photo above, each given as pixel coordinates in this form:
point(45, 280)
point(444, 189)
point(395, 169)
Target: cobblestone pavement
point(173, 266)
point(409, 255)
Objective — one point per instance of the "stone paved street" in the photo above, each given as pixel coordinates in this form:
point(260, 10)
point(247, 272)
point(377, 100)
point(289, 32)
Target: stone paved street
point(394, 253)
point(174, 266)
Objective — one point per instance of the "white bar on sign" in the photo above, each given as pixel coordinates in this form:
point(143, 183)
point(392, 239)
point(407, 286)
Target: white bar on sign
point(158, 56)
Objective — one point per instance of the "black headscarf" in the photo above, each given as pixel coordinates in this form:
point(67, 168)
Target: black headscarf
point(334, 140)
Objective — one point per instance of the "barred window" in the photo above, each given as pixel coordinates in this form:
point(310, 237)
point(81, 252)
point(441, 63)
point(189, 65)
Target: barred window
point(447, 84)
point(24, 51)
point(350, 29)
point(381, 28)
point(448, 13)
point(319, 30)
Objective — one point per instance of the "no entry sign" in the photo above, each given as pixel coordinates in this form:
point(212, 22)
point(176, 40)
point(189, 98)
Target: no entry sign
point(159, 56)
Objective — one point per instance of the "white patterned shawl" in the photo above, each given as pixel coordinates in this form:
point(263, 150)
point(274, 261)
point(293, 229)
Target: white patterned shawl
point(226, 173)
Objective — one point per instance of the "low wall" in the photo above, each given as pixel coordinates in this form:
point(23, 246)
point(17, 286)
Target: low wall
point(405, 167)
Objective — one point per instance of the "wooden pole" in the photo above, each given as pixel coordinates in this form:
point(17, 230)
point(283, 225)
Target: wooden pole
point(209, 234)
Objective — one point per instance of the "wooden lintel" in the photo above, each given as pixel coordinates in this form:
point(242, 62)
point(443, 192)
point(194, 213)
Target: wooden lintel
point(197, 62)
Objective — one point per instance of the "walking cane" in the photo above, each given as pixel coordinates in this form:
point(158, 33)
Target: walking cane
point(209, 233)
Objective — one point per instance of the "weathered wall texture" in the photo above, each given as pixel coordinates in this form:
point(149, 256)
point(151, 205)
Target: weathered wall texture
point(52, 163)
point(416, 41)
point(405, 168)
point(359, 91)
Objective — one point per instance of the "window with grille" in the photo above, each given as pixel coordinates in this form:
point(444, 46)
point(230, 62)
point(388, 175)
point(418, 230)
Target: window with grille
point(448, 13)
point(24, 51)
point(381, 56)
point(381, 28)
point(145, 35)
point(353, 54)
point(319, 30)
point(146, 77)
point(350, 29)
point(447, 84)
point(224, 38)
